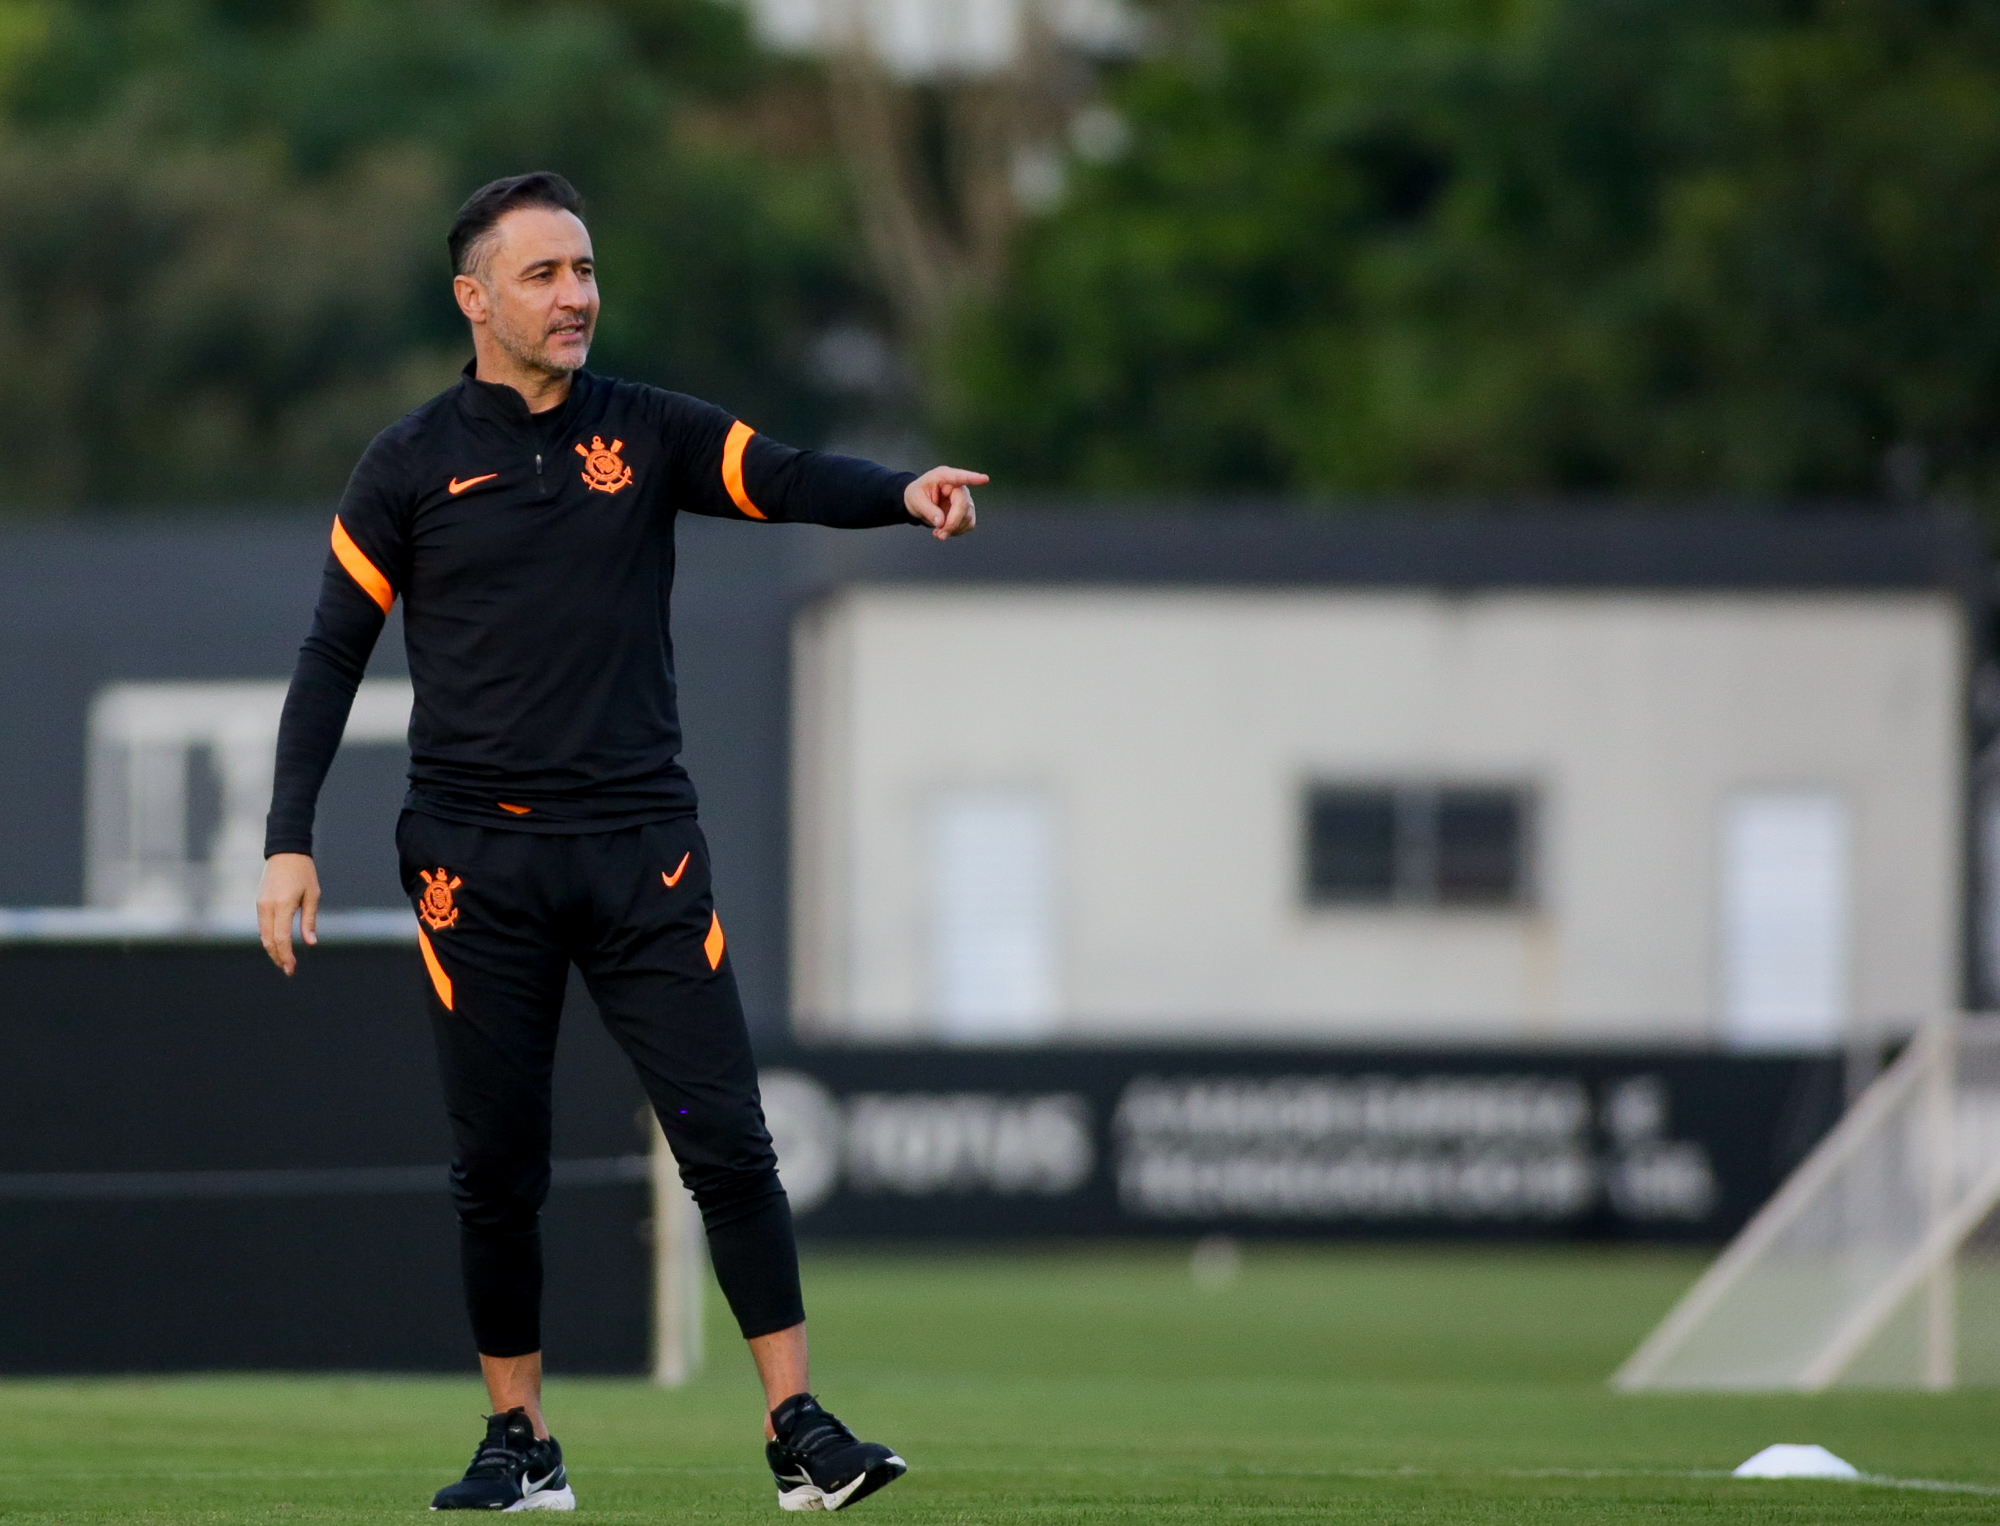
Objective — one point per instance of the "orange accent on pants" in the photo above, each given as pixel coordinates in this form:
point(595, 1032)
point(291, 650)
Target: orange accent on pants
point(363, 571)
point(440, 981)
point(711, 945)
point(732, 468)
point(514, 810)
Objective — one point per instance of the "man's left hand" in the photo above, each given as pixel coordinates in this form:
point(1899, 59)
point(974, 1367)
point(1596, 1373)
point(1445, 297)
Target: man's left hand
point(942, 499)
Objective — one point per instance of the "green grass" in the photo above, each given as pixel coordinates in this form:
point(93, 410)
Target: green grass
point(1075, 1386)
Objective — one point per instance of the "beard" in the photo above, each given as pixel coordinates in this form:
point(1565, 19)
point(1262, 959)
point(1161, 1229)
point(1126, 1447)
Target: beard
point(531, 349)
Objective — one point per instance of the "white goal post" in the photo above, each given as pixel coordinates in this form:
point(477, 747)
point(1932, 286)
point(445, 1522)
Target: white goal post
point(1850, 1273)
point(680, 1268)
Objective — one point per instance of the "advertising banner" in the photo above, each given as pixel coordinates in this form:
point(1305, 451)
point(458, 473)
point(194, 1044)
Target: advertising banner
point(909, 1143)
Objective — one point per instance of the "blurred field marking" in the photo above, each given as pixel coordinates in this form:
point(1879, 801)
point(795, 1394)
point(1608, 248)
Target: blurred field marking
point(1366, 1475)
point(1879, 1480)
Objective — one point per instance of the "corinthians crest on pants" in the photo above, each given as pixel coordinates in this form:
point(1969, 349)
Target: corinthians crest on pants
point(438, 910)
point(604, 470)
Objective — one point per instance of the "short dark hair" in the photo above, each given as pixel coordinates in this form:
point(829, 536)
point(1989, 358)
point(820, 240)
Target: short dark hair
point(494, 200)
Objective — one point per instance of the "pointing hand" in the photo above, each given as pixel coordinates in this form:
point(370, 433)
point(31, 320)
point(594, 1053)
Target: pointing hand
point(942, 500)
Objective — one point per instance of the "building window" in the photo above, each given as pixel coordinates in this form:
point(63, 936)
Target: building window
point(1417, 845)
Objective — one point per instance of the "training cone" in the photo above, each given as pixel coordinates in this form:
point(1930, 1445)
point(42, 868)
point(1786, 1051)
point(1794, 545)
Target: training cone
point(1788, 1460)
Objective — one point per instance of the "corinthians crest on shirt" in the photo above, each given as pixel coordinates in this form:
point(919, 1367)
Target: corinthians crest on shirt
point(604, 470)
point(438, 910)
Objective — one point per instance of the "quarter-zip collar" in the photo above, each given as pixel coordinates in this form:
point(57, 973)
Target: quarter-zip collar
point(498, 403)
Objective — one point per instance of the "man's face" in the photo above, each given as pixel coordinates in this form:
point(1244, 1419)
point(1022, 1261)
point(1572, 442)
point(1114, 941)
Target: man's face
point(535, 289)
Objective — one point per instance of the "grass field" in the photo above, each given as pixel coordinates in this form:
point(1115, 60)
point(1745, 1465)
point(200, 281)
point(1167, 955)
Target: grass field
point(1077, 1386)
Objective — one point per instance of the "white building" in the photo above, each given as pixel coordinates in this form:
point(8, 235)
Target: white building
point(1341, 813)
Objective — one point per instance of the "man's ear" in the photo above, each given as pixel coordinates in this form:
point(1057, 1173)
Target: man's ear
point(471, 298)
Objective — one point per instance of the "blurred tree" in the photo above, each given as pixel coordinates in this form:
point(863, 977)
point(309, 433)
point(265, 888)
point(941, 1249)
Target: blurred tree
point(221, 223)
point(1737, 247)
point(192, 322)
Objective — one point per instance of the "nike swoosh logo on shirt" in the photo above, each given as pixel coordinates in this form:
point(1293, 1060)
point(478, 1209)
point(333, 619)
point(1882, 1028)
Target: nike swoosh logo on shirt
point(679, 869)
point(455, 487)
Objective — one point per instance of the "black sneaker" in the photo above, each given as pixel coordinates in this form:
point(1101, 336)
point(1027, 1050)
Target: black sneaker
point(511, 1471)
point(817, 1462)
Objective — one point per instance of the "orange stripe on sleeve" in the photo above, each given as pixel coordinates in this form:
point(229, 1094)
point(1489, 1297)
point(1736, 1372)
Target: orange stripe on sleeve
point(363, 571)
point(732, 468)
point(440, 981)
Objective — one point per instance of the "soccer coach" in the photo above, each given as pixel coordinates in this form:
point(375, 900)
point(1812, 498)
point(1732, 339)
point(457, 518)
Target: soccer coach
point(526, 519)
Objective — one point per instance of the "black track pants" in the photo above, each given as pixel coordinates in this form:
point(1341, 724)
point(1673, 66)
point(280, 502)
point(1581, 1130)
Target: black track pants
point(503, 915)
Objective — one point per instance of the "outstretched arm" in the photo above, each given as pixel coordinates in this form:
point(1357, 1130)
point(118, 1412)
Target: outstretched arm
point(726, 469)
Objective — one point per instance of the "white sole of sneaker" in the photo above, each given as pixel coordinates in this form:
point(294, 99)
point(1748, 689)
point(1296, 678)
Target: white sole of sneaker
point(805, 1497)
point(546, 1499)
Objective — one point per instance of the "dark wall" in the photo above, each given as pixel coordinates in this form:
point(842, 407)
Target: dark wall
point(204, 1165)
point(165, 1059)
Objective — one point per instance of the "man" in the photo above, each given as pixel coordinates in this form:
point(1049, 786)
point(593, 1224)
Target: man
point(525, 517)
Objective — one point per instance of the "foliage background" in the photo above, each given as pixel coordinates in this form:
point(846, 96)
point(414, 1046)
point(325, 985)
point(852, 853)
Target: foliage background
point(1709, 247)
point(221, 225)
point(1737, 249)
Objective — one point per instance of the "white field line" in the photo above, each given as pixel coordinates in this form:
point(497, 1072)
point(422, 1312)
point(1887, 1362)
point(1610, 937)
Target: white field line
point(1879, 1480)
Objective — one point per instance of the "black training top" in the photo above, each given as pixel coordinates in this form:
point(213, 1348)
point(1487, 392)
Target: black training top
point(534, 554)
